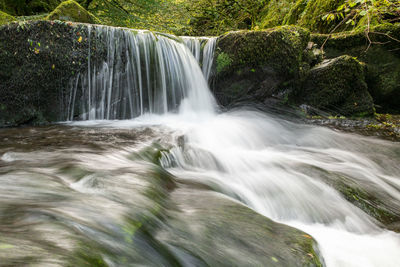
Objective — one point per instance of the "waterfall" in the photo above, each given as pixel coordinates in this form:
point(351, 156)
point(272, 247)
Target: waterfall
point(131, 73)
point(203, 49)
point(283, 170)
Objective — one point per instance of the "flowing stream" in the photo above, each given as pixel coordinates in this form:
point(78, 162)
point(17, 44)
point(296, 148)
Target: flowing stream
point(81, 180)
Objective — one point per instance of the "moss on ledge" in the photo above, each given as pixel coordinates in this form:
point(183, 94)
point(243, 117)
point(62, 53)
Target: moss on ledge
point(5, 18)
point(72, 11)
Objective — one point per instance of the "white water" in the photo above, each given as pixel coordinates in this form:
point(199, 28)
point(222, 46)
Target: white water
point(203, 49)
point(281, 169)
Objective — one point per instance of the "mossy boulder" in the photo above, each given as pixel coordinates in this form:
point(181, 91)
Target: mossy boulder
point(258, 64)
point(38, 60)
point(72, 11)
point(5, 18)
point(382, 60)
point(337, 86)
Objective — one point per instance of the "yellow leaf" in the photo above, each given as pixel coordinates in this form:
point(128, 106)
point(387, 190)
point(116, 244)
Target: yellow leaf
point(80, 39)
point(53, 67)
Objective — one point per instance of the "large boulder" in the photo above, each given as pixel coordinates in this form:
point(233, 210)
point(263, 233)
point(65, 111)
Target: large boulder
point(72, 11)
point(337, 86)
point(255, 65)
point(382, 59)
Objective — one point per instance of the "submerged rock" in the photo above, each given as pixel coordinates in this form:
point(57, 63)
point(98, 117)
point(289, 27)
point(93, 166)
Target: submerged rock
point(337, 86)
point(72, 11)
point(209, 229)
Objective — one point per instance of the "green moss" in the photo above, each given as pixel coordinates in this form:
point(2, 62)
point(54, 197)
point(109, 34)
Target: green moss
point(5, 18)
point(223, 62)
point(280, 48)
point(72, 11)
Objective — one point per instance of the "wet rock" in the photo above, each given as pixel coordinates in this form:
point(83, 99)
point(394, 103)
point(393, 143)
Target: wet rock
point(37, 61)
point(208, 229)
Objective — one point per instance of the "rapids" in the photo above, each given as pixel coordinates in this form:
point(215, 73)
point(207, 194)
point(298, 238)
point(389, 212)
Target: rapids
point(79, 178)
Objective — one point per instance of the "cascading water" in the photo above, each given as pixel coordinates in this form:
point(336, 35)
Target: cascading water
point(143, 73)
point(203, 49)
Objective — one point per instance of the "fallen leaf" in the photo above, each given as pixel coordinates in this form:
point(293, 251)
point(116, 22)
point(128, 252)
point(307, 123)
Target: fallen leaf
point(80, 39)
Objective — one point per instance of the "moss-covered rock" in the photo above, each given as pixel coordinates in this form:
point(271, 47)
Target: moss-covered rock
point(337, 86)
point(72, 11)
point(38, 60)
point(382, 60)
point(257, 64)
point(5, 18)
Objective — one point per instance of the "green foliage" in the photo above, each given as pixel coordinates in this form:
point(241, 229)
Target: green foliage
point(275, 12)
point(28, 7)
point(365, 12)
point(214, 17)
point(157, 15)
point(72, 11)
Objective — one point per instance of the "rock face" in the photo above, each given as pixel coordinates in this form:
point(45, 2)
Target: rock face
point(382, 61)
point(37, 62)
point(336, 86)
point(72, 11)
point(254, 65)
